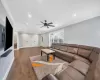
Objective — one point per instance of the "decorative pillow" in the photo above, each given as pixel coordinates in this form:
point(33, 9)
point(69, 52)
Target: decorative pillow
point(46, 68)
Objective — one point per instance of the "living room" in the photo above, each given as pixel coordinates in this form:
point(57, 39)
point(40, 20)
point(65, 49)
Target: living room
point(49, 40)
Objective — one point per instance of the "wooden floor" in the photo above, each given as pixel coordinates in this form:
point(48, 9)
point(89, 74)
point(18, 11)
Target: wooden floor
point(21, 68)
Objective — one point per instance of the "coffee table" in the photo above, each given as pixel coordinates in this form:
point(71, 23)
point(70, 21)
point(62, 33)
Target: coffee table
point(48, 52)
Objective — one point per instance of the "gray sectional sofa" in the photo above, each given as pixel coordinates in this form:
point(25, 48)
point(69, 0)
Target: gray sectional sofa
point(84, 62)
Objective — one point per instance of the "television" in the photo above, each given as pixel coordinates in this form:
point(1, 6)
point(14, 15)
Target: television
point(8, 35)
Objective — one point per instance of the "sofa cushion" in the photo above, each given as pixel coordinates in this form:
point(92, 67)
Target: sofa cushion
point(62, 75)
point(63, 48)
point(93, 55)
point(86, 47)
point(94, 70)
point(80, 66)
point(74, 74)
point(72, 50)
point(97, 69)
point(57, 47)
point(56, 60)
point(50, 77)
point(64, 55)
point(84, 53)
point(53, 45)
point(82, 59)
point(91, 71)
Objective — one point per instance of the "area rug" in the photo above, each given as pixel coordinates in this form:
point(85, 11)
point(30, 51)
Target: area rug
point(43, 68)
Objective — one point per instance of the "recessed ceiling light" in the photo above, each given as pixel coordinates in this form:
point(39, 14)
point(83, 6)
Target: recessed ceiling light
point(40, 1)
point(74, 15)
point(29, 15)
point(26, 23)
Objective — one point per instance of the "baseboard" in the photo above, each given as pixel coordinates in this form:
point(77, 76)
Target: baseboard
point(6, 74)
point(28, 47)
point(16, 49)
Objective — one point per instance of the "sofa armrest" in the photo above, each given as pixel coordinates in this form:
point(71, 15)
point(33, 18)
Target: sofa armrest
point(50, 77)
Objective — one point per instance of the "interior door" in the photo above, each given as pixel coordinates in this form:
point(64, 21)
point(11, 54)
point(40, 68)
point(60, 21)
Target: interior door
point(35, 40)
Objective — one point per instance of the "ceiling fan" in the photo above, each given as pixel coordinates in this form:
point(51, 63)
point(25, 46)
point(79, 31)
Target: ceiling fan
point(46, 24)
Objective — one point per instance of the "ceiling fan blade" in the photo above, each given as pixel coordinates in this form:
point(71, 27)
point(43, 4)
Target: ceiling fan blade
point(47, 26)
point(50, 23)
point(41, 22)
point(41, 26)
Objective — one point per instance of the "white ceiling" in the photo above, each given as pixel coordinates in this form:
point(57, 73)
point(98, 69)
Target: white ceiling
point(28, 13)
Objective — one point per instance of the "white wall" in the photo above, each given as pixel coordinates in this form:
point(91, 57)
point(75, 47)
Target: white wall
point(15, 37)
point(85, 33)
point(27, 40)
point(19, 43)
point(45, 41)
point(5, 62)
point(5, 65)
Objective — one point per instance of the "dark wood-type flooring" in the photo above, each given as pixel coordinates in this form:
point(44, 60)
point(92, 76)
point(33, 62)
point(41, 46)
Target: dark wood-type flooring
point(15, 45)
point(21, 68)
